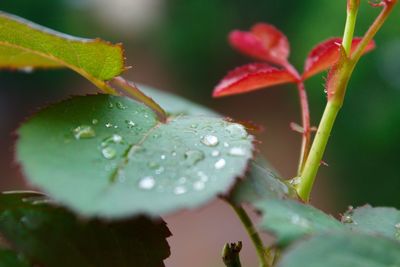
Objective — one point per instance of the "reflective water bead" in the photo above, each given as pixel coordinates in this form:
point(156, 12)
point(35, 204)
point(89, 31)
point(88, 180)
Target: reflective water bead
point(210, 140)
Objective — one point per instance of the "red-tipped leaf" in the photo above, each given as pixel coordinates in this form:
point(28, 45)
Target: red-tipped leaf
point(263, 42)
point(251, 77)
point(327, 53)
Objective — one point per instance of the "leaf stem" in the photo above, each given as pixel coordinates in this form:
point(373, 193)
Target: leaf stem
point(133, 91)
point(252, 232)
point(305, 116)
point(341, 74)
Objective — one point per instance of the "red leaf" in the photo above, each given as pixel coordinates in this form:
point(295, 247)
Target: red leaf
point(263, 42)
point(251, 77)
point(326, 54)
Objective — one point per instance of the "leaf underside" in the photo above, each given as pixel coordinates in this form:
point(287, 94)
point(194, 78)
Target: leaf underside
point(290, 220)
point(382, 221)
point(24, 44)
point(125, 162)
point(50, 236)
point(344, 249)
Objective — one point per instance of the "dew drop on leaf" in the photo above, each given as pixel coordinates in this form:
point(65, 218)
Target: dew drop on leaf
point(108, 125)
point(198, 185)
point(94, 121)
point(193, 156)
point(215, 153)
point(84, 131)
point(237, 151)
point(236, 131)
point(210, 140)
point(147, 183)
point(108, 152)
point(131, 124)
point(203, 176)
point(220, 164)
point(180, 190)
point(120, 105)
point(347, 219)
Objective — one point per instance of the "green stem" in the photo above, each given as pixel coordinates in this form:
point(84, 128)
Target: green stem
point(337, 87)
point(352, 10)
point(252, 232)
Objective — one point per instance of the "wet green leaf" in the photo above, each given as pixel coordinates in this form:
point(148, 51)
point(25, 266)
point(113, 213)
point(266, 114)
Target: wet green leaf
point(260, 183)
point(51, 236)
point(25, 45)
point(289, 220)
point(380, 220)
point(109, 156)
point(344, 249)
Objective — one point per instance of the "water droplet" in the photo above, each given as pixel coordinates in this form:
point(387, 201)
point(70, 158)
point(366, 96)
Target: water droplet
point(296, 219)
point(108, 152)
point(110, 105)
point(120, 105)
point(131, 124)
point(203, 176)
point(27, 69)
point(116, 138)
point(215, 153)
point(153, 165)
point(295, 181)
point(226, 144)
point(210, 140)
point(397, 233)
point(84, 131)
point(236, 130)
point(146, 115)
point(163, 157)
point(94, 121)
point(147, 183)
point(108, 125)
point(193, 156)
point(198, 185)
point(237, 151)
point(347, 219)
point(115, 127)
point(182, 180)
point(179, 190)
point(159, 170)
point(173, 154)
point(220, 164)
point(194, 126)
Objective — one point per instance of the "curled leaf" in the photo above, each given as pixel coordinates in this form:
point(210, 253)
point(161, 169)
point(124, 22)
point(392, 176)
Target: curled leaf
point(264, 42)
point(327, 53)
point(251, 77)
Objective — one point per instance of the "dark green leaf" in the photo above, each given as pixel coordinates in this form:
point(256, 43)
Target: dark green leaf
point(381, 220)
point(25, 45)
point(343, 249)
point(289, 220)
point(53, 237)
point(260, 183)
point(10, 258)
point(109, 156)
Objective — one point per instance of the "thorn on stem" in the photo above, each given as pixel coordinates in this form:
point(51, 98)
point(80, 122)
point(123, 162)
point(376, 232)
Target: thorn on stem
point(324, 163)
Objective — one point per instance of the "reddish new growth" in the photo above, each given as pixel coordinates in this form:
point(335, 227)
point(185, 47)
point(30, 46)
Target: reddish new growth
point(266, 43)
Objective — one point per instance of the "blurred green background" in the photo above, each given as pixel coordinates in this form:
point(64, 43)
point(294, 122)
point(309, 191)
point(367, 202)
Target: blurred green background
point(180, 46)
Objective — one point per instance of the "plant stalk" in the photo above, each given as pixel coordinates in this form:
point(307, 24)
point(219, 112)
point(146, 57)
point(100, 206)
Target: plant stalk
point(253, 234)
point(336, 94)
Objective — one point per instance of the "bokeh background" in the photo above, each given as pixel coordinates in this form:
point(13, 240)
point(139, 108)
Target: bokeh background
point(180, 46)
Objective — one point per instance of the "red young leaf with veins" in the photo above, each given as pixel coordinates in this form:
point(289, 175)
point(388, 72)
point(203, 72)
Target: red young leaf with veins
point(251, 77)
point(327, 53)
point(263, 42)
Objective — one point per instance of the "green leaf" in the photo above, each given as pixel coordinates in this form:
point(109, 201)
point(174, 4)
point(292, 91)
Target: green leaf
point(25, 45)
point(109, 156)
point(343, 249)
point(260, 183)
point(381, 220)
point(289, 220)
point(52, 236)
point(176, 105)
point(10, 258)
